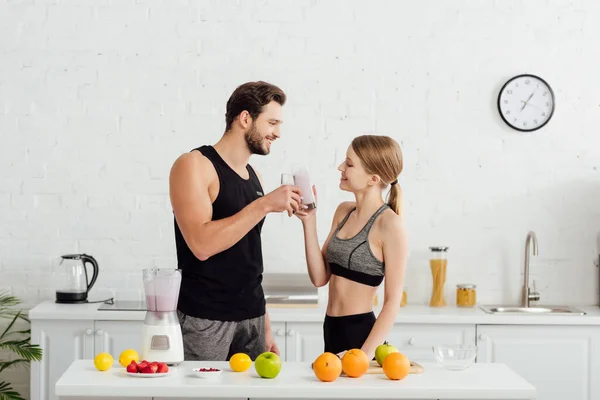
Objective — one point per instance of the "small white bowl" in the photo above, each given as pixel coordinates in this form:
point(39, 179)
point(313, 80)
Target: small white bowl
point(206, 374)
point(455, 357)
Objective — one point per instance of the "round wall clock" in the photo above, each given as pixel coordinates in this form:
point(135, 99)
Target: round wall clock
point(526, 102)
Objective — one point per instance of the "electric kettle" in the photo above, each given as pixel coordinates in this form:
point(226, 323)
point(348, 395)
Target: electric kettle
point(72, 280)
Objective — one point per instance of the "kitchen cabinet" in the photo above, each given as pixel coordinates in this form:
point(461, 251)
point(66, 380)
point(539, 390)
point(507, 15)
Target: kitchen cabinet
point(115, 336)
point(417, 340)
point(304, 341)
point(279, 334)
point(562, 362)
point(64, 341)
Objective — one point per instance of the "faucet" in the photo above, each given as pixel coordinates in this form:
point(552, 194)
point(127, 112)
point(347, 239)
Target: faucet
point(528, 295)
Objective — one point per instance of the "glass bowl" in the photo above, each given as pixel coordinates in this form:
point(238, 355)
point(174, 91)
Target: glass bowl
point(455, 357)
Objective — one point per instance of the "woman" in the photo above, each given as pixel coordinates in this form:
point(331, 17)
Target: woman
point(367, 242)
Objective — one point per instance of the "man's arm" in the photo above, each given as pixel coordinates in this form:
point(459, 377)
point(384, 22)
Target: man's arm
point(189, 181)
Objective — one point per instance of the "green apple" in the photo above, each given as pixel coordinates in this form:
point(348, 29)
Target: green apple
point(268, 365)
point(382, 351)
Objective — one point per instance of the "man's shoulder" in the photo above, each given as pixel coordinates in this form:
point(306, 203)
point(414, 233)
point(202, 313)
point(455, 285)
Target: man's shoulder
point(193, 162)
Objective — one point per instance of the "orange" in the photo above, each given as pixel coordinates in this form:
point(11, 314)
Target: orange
point(396, 366)
point(355, 363)
point(327, 367)
point(240, 362)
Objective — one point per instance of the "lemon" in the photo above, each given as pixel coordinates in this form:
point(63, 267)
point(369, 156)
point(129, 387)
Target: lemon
point(127, 356)
point(240, 362)
point(103, 361)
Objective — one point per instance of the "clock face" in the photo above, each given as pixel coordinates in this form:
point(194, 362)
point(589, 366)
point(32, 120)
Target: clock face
point(526, 103)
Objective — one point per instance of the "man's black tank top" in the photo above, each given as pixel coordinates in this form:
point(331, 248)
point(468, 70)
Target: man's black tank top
point(227, 286)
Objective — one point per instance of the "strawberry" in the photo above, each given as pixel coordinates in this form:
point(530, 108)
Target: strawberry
point(162, 368)
point(147, 370)
point(132, 367)
point(153, 367)
point(142, 365)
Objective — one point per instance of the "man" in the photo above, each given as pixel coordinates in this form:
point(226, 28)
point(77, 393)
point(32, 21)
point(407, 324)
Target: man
point(219, 210)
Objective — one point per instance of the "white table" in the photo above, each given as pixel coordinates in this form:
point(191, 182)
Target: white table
point(296, 381)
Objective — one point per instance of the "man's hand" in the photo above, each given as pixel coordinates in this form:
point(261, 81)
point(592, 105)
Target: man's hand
point(271, 345)
point(284, 198)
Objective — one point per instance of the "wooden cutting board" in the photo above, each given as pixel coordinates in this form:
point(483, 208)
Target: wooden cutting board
point(374, 368)
point(415, 368)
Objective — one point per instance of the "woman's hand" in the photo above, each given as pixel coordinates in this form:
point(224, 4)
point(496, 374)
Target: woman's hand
point(306, 215)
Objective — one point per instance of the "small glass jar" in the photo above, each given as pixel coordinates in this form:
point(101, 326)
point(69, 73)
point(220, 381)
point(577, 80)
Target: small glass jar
point(466, 295)
point(403, 301)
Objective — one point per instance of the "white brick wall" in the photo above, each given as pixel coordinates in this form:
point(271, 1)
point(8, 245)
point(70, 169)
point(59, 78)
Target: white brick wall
point(98, 97)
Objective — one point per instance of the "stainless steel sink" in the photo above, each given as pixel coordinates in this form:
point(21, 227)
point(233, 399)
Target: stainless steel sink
point(554, 310)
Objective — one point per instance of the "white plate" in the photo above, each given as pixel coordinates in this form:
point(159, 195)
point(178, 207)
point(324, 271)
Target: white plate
point(206, 374)
point(140, 375)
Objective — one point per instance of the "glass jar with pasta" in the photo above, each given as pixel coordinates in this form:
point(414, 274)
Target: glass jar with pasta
point(438, 263)
point(466, 295)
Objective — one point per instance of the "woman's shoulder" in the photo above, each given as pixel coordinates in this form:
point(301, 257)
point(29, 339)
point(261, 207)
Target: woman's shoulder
point(342, 210)
point(345, 207)
point(390, 223)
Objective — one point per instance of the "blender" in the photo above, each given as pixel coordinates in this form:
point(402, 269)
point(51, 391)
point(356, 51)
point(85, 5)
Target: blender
point(161, 333)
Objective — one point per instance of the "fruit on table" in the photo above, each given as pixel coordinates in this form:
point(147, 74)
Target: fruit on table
point(355, 363)
point(103, 361)
point(327, 367)
point(146, 367)
point(127, 356)
point(132, 368)
point(162, 368)
point(396, 366)
point(240, 362)
point(267, 365)
point(382, 351)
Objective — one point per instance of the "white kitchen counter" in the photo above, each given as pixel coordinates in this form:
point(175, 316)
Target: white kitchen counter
point(414, 314)
point(296, 380)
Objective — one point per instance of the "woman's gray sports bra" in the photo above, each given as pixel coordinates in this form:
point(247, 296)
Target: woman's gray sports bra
point(352, 258)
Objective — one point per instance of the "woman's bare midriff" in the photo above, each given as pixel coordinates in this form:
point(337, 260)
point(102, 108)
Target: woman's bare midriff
point(347, 297)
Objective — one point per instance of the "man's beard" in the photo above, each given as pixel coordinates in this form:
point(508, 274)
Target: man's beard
point(255, 141)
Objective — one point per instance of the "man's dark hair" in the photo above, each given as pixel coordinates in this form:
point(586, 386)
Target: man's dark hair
point(252, 97)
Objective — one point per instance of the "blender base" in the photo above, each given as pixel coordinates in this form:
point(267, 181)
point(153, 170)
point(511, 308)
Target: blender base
point(162, 343)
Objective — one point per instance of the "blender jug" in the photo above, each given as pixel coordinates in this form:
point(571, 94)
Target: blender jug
point(161, 287)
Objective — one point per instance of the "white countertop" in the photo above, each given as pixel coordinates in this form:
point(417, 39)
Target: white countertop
point(414, 314)
point(296, 380)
